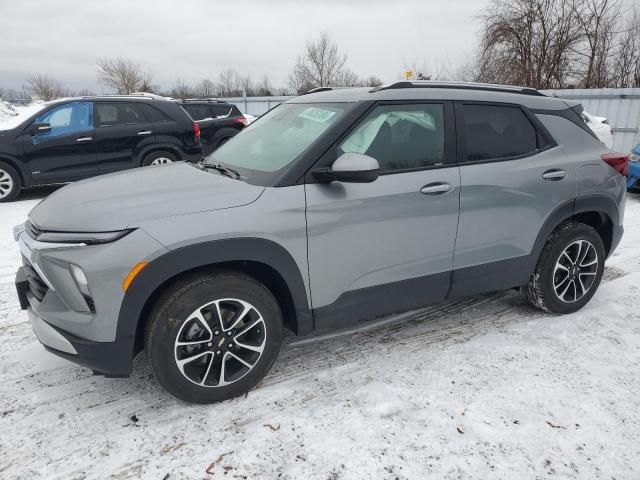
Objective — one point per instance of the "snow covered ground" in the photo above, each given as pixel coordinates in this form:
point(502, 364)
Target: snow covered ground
point(484, 387)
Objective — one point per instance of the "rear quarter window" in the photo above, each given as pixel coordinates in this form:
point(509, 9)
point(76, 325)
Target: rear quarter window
point(198, 112)
point(153, 114)
point(497, 132)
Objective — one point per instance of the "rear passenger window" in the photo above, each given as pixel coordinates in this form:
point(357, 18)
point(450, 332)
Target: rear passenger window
point(198, 112)
point(153, 114)
point(222, 111)
point(110, 114)
point(494, 132)
point(400, 137)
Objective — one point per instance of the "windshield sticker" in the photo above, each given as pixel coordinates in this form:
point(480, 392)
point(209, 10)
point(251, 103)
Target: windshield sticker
point(317, 114)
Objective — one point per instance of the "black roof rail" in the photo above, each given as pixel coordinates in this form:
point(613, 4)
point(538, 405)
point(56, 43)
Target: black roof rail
point(459, 86)
point(316, 90)
point(208, 100)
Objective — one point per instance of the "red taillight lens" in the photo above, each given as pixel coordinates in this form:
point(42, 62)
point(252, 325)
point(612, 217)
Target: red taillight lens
point(196, 130)
point(241, 120)
point(617, 161)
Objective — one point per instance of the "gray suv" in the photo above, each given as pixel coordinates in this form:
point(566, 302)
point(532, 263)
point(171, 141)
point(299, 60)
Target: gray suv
point(335, 207)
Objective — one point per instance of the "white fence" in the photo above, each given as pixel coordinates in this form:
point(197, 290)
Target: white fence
point(621, 106)
point(256, 105)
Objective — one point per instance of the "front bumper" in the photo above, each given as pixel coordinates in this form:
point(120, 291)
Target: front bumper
point(83, 332)
point(112, 359)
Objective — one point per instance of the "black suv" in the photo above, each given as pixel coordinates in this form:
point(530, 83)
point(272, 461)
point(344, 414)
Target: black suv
point(218, 120)
point(75, 138)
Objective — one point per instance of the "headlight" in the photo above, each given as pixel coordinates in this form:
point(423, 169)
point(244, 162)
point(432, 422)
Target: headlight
point(81, 282)
point(634, 158)
point(93, 238)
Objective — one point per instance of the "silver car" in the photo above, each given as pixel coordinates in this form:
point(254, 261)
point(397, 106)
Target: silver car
point(338, 206)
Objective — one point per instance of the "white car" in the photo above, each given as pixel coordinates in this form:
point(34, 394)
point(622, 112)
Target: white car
point(600, 126)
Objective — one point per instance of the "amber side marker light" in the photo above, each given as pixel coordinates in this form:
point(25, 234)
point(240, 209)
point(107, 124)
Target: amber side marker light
point(133, 274)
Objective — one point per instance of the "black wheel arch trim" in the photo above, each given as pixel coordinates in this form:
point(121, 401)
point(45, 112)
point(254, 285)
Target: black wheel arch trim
point(20, 167)
point(587, 203)
point(166, 267)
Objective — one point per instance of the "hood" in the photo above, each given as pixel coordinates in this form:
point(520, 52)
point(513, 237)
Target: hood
point(122, 200)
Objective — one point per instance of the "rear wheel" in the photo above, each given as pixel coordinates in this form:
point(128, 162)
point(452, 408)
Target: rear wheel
point(10, 183)
point(569, 270)
point(213, 336)
point(158, 158)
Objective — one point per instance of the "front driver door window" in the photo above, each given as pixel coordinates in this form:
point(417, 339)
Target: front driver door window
point(400, 137)
point(67, 119)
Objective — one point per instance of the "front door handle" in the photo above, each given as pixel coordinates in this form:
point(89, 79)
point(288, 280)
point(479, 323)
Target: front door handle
point(84, 139)
point(145, 132)
point(437, 188)
point(554, 174)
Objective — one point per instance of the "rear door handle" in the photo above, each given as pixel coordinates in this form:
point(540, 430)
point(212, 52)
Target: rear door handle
point(84, 139)
point(145, 132)
point(437, 188)
point(554, 174)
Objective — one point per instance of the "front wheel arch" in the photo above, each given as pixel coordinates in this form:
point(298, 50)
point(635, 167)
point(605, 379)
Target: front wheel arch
point(263, 259)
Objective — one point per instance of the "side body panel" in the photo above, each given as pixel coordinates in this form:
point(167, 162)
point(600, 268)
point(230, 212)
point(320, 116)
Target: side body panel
point(380, 247)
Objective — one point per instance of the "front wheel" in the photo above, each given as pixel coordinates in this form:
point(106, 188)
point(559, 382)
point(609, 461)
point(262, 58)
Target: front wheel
point(158, 158)
point(213, 336)
point(569, 270)
point(10, 183)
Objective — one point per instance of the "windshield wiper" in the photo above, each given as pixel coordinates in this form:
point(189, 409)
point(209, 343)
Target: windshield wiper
point(229, 172)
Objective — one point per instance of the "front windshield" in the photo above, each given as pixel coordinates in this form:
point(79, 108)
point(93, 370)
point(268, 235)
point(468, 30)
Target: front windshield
point(277, 139)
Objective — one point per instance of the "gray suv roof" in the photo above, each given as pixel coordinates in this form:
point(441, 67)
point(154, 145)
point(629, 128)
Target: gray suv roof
point(437, 91)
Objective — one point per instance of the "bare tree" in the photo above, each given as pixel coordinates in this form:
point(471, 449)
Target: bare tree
point(123, 75)
point(373, 81)
point(264, 87)
point(85, 92)
point(246, 85)
point(205, 89)
point(347, 78)
point(320, 65)
point(529, 42)
point(625, 66)
point(299, 80)
point(182, 89)
point(598, 19)
point(229, 83)
point(45, 87)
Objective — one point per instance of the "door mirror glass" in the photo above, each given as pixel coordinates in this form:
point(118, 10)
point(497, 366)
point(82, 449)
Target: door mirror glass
point(350, 167)
point(40, 128)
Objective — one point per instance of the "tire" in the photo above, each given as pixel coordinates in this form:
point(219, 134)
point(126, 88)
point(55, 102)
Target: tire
point(10, 183)
point(557, 285)
point(159, 158)
point(174, 318)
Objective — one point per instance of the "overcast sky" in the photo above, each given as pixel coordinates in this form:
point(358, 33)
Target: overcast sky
point(196, 39)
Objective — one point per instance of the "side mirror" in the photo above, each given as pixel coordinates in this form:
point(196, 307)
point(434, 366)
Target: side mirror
point(39, 128)
point(350, 167)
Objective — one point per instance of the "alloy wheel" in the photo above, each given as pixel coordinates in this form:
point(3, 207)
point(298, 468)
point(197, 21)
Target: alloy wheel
point(575, 271)
point(6, 184)
point(161, 161)
point(220, 342)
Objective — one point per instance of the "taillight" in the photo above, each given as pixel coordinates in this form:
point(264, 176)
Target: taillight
point(617, 161)
point(241, 120)
point(196, 129)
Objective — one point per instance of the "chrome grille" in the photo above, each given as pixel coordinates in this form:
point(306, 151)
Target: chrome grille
point(32, 230)
point(36, 285)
